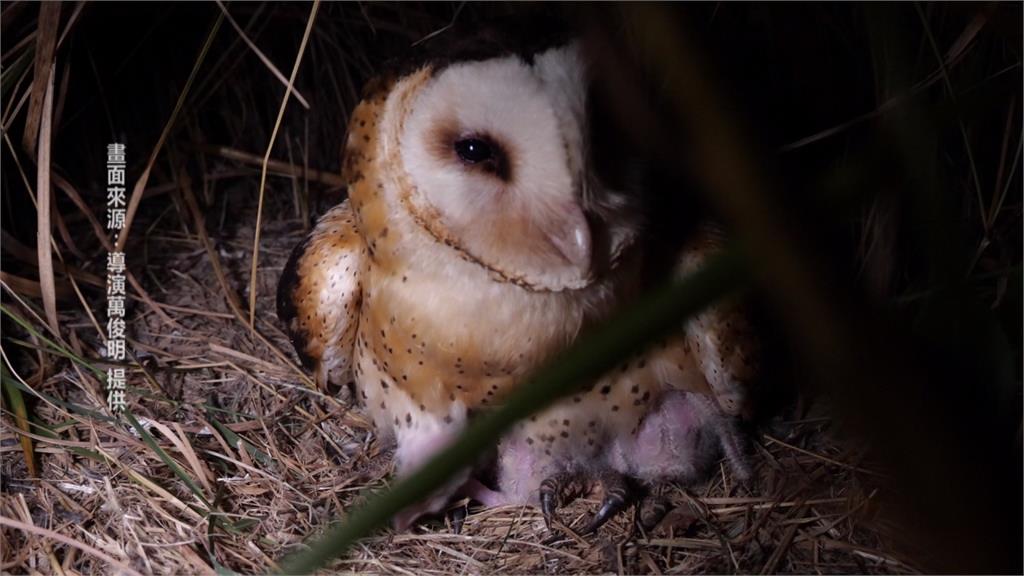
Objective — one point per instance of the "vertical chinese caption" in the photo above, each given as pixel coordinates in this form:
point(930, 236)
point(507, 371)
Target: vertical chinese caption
point(116, 381)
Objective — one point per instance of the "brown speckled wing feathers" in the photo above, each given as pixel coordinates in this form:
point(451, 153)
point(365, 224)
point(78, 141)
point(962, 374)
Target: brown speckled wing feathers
point(319, 295)
point(721, 340)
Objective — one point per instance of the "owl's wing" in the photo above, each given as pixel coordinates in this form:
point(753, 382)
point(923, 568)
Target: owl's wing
point(319, 294)
point(720, 340)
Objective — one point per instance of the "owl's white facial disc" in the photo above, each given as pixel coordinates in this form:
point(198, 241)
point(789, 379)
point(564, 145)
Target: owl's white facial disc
point(493, 152)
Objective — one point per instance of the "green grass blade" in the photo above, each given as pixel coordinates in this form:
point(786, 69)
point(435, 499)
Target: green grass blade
point(14, 71)
point(56, 348)
point(69, 406)
point(48, 432)
point(237, 441)
point(151, 442)
point(21, 418)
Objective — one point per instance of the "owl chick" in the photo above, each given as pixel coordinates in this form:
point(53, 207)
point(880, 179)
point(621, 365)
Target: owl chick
point(477, 242)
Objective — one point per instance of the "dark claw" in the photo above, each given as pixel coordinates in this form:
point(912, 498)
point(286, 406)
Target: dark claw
point(548, 505)
point(457, 516)
point(609, 508)
point(617, 494)
point(558, 490)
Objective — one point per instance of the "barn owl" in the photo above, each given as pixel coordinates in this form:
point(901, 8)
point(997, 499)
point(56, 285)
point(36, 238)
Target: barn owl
point(478, 241)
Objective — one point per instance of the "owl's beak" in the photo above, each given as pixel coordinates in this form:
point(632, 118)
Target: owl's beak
point(571, 239)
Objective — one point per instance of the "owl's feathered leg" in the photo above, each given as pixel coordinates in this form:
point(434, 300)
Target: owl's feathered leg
point(730, 438)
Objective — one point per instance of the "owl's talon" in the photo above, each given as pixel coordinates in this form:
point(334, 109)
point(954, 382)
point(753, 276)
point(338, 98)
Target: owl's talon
point(609, 508)
point(555, 491)
point(617, 495)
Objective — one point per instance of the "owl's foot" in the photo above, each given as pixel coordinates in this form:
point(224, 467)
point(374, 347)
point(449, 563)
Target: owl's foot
point(558, 490)
point(564, 487)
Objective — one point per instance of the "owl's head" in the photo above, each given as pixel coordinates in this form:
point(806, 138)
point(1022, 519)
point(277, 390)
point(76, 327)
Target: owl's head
point(492, 159)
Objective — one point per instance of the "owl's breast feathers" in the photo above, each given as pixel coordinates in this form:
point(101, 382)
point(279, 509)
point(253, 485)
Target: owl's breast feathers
point(318, 297)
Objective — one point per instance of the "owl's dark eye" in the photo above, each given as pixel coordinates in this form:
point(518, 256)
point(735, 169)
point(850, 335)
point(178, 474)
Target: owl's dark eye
point(474, 150)
point(480, 153)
